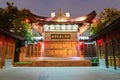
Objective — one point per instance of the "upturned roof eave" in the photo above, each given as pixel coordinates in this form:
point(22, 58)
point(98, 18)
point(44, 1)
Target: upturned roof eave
point(42, 19)
point(115, 24)
point(16, 36)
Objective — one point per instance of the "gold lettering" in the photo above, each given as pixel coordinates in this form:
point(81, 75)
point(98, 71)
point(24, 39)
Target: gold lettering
point(52, 36)
point(60, 36)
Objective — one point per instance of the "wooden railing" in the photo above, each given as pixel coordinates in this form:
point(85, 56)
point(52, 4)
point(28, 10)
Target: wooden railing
point(110, 50)
point(89, 50)
point(32, 50)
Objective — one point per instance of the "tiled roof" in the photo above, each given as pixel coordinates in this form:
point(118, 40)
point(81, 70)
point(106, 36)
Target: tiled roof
point(114, 25)
point(14, 35)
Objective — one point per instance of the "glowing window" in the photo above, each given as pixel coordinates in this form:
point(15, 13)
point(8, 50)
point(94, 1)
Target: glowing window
point(69, 26)
point(52, 26)
point(46, 27)
point(63, 27)
point(57, 26)
point(75, 26)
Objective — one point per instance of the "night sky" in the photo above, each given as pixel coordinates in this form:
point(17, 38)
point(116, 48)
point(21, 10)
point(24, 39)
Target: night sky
point(75, 7)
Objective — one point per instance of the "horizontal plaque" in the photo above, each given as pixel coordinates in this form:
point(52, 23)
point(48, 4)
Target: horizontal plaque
point(60, 36)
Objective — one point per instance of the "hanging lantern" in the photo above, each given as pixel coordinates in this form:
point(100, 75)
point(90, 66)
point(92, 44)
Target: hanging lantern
point(0, 43)
point(27, 20)
point(81, 45)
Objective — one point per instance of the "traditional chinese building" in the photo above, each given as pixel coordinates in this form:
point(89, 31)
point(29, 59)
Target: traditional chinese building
point(59, 36)
point(9, 46)
point(108, 45)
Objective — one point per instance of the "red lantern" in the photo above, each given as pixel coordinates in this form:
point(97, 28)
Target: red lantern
point(0, 43)
point(100, 42)
point(27, 20)
point(94, 20)
point(81, 45)
point(40, 44)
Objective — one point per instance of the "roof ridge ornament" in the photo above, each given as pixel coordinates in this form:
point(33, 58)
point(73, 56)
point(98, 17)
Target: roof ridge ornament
point(61, 17)
point(60, 10)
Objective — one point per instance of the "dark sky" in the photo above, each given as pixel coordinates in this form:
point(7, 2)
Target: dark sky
point(75, 7)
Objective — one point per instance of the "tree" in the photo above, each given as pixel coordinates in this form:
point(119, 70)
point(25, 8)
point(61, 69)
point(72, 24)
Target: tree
point(13, 19)
point(105, 18)
point(8, 15)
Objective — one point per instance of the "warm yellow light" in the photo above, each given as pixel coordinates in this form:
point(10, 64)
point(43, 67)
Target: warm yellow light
point(67, 14)
point(81, 18)
point(53, 14)
point(61, 20)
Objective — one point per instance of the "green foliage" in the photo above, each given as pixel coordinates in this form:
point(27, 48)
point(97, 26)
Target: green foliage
point(23, 63)
point(94, 60)
point(104, 19)
point(22, 28)
point(93, 29)
point(12, 19)
point(36, 34)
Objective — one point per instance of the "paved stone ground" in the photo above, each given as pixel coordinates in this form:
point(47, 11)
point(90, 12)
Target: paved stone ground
point(58, 73)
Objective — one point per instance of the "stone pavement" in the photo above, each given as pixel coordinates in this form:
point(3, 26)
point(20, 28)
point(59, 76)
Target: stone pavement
point(58, 73)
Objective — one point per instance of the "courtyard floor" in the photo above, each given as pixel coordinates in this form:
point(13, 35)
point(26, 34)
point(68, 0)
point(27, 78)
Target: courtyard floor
point(58, 73)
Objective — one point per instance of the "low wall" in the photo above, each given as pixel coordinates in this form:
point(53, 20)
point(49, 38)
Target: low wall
point(55, 63)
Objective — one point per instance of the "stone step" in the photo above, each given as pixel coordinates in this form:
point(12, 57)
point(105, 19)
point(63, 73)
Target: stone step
point(56, 63)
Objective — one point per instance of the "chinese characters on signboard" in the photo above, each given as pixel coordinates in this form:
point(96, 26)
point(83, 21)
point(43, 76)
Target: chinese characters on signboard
point(60, 36)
